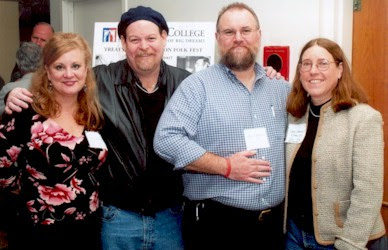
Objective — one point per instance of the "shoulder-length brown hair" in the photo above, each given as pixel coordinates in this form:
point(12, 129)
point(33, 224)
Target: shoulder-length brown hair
point(89, 112)
point(346, 94)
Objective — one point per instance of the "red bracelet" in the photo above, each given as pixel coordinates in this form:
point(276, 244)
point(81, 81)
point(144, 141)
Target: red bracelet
point(229, 167)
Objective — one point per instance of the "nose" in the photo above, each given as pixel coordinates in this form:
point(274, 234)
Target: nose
point(37, 41)
point(41, 44)
point(143, 44)
point(314, 68)
point(238, 36)
point(68, 72)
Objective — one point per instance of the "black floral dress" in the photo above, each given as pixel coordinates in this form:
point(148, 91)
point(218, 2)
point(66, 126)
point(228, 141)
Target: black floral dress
point(54, 173)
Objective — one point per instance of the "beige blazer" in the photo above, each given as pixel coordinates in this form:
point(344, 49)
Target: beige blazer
point(347, 176)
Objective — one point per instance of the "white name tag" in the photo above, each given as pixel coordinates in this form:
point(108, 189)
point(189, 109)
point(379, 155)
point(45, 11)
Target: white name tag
point(256, 138)
point(95, 140)
point(296, 133)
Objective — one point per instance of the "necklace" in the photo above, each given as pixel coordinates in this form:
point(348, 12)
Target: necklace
point(311, 112)
point(146, 91)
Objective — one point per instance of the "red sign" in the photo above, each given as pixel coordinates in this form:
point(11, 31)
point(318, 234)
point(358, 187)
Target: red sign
point(279, 58)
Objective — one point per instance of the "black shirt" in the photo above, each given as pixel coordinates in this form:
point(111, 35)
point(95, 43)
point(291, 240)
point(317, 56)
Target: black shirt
point(299, 193)
point(154, 183)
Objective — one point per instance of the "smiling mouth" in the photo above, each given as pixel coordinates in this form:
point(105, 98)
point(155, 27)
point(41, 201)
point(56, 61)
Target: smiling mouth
point(239, 48)
point(69, 83)
point(144, 55)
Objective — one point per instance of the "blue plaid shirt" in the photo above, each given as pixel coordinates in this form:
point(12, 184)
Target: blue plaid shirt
point(208, 113)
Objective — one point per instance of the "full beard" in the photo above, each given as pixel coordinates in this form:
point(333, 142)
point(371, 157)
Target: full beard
point(238, 60)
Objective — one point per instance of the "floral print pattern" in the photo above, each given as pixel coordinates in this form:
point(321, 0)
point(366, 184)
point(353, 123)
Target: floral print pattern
point(52, 168)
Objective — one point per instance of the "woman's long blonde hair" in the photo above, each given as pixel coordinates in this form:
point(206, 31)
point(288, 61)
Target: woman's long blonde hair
point(89, 112)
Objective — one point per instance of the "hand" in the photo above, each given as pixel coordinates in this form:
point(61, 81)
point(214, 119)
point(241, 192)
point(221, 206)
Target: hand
point(17, 99)
point(271, 73)
point(248, 169)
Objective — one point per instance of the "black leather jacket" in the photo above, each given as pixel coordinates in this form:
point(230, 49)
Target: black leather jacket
point(128, 150)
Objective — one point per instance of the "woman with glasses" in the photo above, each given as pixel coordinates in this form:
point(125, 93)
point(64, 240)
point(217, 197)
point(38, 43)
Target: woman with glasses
point(334, 150)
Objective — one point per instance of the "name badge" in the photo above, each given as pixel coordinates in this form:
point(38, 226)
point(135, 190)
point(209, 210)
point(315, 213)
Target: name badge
point(296, 133)
point(256, 138)
point(95, 140)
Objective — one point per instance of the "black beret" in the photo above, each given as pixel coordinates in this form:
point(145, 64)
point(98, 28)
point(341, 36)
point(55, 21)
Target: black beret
point(141, 13)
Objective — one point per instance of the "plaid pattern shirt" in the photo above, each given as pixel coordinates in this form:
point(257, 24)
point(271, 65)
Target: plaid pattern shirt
point(208, 113)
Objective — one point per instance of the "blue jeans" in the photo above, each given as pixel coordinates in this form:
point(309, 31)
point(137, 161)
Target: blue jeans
point(297, 239)
point(124, 229)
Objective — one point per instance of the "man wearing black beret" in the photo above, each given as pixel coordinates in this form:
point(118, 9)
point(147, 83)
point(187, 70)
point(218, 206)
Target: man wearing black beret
point(141, 193)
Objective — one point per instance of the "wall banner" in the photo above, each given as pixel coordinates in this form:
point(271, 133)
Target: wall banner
point(190, 45)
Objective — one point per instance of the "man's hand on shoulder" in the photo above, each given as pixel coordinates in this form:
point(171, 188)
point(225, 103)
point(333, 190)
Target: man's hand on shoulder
point(17, 99)
point(272, 73)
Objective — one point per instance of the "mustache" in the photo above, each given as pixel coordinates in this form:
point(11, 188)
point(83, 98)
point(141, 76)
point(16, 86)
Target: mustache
point(144, 54)
point(239, 46)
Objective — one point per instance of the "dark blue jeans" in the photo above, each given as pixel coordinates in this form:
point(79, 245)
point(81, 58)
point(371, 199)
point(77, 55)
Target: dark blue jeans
point(297, 239)
point(124, 229)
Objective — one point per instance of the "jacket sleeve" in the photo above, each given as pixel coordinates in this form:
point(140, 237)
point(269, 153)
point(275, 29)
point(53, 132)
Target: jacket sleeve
point(367, 193)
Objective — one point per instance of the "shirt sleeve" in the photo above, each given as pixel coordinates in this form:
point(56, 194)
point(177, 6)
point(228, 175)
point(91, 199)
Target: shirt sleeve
point(177, 128)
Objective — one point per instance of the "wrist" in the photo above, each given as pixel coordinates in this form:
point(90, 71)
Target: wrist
point(228, 167)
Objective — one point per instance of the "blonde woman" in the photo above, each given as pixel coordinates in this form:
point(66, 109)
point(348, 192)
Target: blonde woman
point(51, 150)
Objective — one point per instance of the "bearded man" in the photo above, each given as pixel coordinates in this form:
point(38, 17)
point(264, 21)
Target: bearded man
point(226, 126)
point(141, 193)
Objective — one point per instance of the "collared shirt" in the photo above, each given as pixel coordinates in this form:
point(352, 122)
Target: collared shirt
point(208, 113)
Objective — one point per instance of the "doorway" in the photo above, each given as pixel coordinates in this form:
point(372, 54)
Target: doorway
point(370, 66)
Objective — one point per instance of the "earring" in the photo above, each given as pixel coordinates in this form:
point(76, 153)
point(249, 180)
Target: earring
point(85, 88)
point(50, 86)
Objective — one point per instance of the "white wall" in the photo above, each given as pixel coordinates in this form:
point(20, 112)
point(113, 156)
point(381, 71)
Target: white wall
point(9, 37)
point(86, 13)
point(283, 22)
point(80, 15)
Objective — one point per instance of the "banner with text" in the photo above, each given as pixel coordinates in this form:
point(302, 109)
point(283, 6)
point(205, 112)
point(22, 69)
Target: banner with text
point(190, 45)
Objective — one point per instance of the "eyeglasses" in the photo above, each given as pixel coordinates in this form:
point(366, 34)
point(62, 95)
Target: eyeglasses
point(322, 65)
point(245, 32)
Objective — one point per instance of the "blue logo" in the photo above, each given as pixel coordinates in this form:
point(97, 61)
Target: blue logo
point(109, 35)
